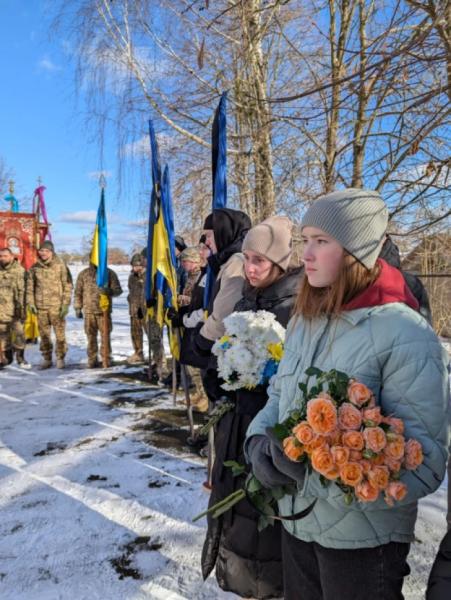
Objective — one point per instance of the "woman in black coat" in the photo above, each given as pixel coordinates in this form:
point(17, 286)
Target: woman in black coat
point(248, 562)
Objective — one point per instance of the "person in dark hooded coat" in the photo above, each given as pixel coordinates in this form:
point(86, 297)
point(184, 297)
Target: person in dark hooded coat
point(248, 562)
point(225, 230)
point(439, 584)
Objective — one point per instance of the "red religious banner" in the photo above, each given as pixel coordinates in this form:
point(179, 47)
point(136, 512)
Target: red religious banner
point(21, 233)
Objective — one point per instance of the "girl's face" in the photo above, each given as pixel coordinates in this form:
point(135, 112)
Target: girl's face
point(322, 256)
point(210, 240)
point(204, 252)
point(257, 268)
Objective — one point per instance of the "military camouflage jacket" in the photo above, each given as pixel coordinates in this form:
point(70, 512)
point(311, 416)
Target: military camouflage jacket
point(49, 284)
point(135, 296)
point(12, 292)
point(185, 297)
point(87, 294)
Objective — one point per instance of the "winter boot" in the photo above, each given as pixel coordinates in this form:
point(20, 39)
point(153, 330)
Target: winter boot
point(8, 356)
point(60, 364)
point(154, 377)
point(136, 358)
point(20, 359)
point(93, 363)
point(46, 363)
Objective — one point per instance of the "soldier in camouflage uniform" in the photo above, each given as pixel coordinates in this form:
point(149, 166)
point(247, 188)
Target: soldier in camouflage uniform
point(12, 302)
point(139, 321)
point(87, 304)
point(48, 295)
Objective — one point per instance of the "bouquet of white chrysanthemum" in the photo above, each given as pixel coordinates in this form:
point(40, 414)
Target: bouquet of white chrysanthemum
point(250, 351)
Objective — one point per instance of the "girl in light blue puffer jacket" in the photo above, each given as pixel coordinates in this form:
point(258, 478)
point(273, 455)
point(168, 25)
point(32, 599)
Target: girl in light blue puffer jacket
point(355, 314)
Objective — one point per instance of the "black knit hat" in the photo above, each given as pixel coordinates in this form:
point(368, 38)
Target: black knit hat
point(47, 245)
point(179, 243)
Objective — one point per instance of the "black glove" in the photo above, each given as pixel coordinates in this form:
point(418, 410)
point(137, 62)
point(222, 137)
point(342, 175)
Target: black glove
point(78, 313)
point(139, 313)
point(151, 303)
point(259, 451)
point(171, 313)
point(295, 470)
point(202, 346)
point(106, 291)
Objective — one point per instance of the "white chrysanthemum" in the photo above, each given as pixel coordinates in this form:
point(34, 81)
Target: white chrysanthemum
point(242, 362)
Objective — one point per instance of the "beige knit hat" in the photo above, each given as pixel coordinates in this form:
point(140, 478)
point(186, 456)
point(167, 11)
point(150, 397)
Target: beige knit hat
point(191, 253)
point(272, 239)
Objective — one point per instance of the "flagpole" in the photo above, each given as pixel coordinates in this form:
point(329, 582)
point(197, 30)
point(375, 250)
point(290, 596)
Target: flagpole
point(105, 328)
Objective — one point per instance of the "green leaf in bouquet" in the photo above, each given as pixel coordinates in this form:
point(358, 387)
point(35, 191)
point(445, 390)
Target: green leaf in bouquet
point(237, 469)
point(253, 485)
point(367, 453)
point(278, 492)
point(385, 427)
point(312, 371)
point(349, 498)
point(263, 522)
point(303, 387)
point(281, 431)
point(314, 391)
point(323, 481)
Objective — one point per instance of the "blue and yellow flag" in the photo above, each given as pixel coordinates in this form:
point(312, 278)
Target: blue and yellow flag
point(219, 176)
point(161, 277)
point(99, 252)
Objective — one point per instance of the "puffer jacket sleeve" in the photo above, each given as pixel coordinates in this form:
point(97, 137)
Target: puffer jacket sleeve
point(232, 281)
point(415, 388)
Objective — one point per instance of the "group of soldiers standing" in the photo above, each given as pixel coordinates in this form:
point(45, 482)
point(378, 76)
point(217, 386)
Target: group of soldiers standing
point(45, 291)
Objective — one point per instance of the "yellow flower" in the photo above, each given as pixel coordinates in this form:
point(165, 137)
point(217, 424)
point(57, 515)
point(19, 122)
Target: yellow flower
point(276, 351)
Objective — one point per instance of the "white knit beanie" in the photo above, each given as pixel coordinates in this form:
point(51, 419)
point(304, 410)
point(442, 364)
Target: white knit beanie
point(272, 239)
point(356, 218)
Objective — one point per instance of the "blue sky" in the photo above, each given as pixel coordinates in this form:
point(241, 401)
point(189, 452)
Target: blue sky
point(42, 132)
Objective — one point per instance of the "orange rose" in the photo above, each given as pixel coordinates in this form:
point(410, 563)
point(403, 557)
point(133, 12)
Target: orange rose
point(322, 460)
point(373, 415)
point(340, 455)
point(396, 425)
point(319, 441)
point(303, 433)
point(375, 439)
point(395, 447)
point(293, 450)
point(334, 438)
point(366, 466)
point(413, 455)
point(333, 474)
point(379, 459)
point(322, 415)
point(353, 440)
point(358, 393)
point(351, 473)
point(392, 464)
point(366, 492)
point(379, 477)
point(349, 417)
point(355, 456)
point(396, 490)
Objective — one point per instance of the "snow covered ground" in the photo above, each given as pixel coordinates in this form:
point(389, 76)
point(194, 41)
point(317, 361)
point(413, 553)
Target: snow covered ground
point(98, 488)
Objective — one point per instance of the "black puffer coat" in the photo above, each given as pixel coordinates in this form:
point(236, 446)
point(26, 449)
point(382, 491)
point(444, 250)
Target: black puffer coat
point(439, 584)
point(248, 562)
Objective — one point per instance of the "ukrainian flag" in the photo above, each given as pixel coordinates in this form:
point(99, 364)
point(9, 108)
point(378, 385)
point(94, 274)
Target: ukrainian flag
point(161, 277)
point(99, 252)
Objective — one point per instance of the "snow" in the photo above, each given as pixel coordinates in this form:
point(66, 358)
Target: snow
point(97, 490)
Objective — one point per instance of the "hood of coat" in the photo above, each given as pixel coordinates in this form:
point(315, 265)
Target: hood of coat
point(390, 253)
point(230, 228)
point(389, 287)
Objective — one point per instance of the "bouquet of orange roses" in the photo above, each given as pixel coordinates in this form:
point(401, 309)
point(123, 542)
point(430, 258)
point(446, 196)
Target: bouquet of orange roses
point(342, 435)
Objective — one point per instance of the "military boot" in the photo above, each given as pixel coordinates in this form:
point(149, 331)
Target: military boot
point(20, 358)
point(60, 364)
point(8, 356)
point(137, 357)
point(46, 363)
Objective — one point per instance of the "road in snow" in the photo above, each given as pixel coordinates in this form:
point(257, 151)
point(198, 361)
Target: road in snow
point(97, 490)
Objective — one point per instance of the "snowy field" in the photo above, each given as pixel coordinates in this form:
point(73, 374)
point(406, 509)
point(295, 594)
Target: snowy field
point(98, 487)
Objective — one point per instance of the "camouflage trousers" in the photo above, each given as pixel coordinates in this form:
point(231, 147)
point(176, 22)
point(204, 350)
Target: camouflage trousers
point(5, 339)
point(94, 323)
point(17, 335)
point(49, 319)
point(137, 327)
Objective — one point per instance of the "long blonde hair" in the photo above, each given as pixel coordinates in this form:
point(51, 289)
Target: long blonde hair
point(352, 279)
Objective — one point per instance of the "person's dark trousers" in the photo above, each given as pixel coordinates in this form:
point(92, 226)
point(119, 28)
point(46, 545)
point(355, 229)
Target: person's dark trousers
point(312, 572)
